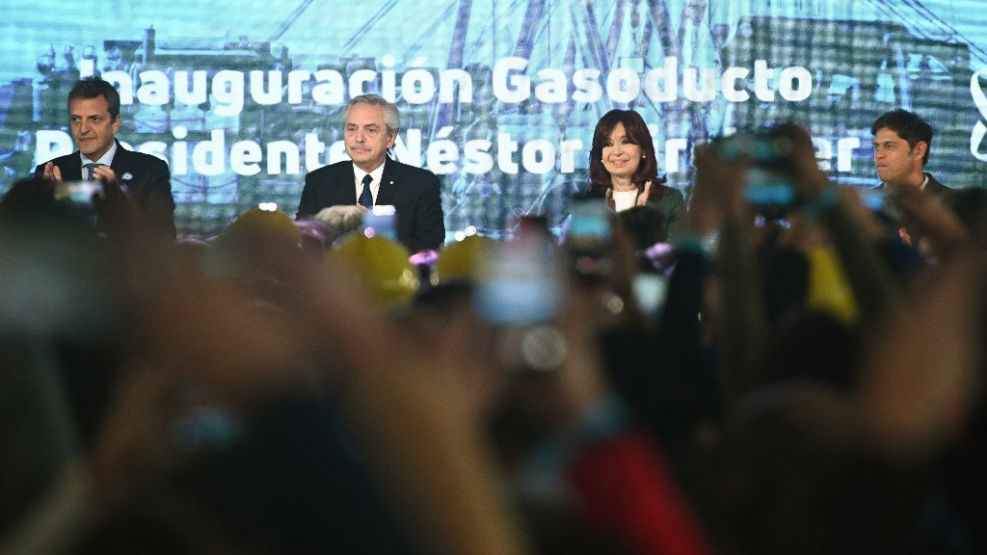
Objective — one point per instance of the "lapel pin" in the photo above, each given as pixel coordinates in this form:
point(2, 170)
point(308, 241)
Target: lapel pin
point(127, 176)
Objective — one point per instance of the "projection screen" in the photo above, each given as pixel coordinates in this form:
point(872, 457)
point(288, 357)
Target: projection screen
point(497, 97)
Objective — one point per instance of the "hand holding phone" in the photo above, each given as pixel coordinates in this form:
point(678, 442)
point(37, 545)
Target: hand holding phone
point(768, 183)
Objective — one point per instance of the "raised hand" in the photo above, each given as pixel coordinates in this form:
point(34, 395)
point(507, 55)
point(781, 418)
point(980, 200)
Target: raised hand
point(52, 172)
point(104, 173)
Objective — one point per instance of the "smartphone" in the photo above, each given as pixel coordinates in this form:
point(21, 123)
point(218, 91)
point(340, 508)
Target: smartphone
point(873, 199)
point(78, 193)
point(767, 147)
point(650, 290)
point(766, 188)
point(588, 239)
point(206, 429)
point(381, 220)
point(768, 185)
point(519, 282)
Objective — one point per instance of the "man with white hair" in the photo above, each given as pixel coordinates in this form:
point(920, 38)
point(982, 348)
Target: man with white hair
point(371, 178)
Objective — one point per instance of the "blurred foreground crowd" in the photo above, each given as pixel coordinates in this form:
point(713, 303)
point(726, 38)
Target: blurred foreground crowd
point(291, 387)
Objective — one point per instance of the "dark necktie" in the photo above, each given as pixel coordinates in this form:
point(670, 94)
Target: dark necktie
point(366, 197)
point(89, 170)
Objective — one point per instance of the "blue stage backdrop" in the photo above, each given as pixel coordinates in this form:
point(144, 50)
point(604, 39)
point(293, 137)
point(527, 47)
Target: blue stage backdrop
point(498, 97)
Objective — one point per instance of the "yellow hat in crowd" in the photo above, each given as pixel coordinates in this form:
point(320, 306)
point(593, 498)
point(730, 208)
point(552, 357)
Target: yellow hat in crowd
point(247, 243)
point(382, 266)
point(256, 224)
point(461, 260)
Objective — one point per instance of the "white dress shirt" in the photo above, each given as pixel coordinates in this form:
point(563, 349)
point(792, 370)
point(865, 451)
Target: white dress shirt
point(376, 174)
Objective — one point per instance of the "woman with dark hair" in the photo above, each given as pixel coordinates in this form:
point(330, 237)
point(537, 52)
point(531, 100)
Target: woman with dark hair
point(624, 167)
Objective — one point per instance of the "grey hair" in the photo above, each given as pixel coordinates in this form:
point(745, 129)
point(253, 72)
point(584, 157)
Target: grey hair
point(391, 117)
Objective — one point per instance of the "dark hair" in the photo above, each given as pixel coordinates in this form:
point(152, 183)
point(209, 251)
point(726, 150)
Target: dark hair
point(645, 225)
point(637, 133)
point(909, 126)
point(28, 195)
point(94, 87)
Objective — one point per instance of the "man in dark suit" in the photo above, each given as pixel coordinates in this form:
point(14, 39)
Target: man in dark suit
point(901, 149)
point(371, 178)
point(94, 116)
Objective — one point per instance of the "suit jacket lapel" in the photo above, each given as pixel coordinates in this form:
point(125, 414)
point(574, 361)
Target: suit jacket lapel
point(346, 190)
point(933, 186)
point(72, 168)
point(119, 160)
point(388, 183)
point(122, 165)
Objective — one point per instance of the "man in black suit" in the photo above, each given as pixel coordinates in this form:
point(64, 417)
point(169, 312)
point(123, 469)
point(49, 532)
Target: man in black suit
point(901, 149)
point(370, 126)
point(94, 116)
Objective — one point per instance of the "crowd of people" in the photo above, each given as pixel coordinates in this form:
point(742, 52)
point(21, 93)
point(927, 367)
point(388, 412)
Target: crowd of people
point(719, 375)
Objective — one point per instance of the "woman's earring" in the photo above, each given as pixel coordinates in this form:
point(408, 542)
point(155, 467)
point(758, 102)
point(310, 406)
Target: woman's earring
point(643, 156)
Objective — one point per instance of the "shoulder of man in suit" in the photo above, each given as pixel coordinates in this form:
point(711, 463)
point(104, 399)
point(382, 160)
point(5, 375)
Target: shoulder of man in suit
point(135, 156)
point(398, 169)
point(936, 183)
point(332, 169)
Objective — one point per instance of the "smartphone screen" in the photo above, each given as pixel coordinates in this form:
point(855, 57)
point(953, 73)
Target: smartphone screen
point(79, 193)
point(650, 290)
point(589, 238)
point(519, 282)
point(381, 221)
point(767, 188)
point(873, 199)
